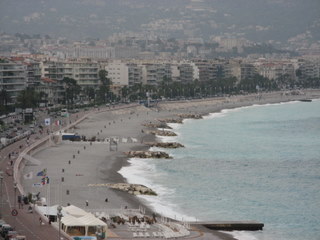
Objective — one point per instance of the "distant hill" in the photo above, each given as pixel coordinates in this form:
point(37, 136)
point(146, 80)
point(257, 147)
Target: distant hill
point(256, 20)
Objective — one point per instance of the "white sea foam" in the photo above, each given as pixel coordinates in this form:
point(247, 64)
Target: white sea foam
point(174, 126)
point(140, 172)
point(224, 112)
point(166, 208)
point(242, 235)
point(167, 139)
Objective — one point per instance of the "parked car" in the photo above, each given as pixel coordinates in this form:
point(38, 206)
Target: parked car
point(19, 237)
point(5, 229)
point(1, 223)
point(10, 235)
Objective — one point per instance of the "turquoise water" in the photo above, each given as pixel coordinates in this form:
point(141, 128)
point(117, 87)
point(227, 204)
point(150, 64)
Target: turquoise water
point(255, 163)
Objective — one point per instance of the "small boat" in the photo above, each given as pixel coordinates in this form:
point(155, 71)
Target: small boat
point(305, 100)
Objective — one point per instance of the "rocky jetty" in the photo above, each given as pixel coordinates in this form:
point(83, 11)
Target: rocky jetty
point(171, 120)
point(135, 189)
point(157, 125)
point(165, 144)
point(148, 154)
point(192, 116)
point(164, 133)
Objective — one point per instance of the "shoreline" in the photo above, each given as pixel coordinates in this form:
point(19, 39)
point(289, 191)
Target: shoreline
point(127, 124)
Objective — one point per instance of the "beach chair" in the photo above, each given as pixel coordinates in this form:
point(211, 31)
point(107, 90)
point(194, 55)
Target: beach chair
point(135, 235)
point(140, 234)
point(147, 235)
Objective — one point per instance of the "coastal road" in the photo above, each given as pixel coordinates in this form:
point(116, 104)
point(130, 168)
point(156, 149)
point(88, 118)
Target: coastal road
point(24, 223)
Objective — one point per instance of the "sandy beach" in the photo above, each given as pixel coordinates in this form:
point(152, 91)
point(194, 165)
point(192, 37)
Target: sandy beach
point(75, 169)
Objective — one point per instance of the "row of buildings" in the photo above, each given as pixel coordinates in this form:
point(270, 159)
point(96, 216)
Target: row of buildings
point(46, 75)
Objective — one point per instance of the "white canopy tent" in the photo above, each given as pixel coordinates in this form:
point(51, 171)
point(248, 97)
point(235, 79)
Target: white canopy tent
point(77, 222)
point(74, 211)
point(49, 210)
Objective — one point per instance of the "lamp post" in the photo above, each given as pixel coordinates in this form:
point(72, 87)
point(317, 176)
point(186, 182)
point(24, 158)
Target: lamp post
point(59, 215)
point(1, 179)
point(15, 202)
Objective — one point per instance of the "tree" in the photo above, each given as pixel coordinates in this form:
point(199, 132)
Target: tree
point(103, 76)
point(28, 98)
point(72, 90)
point(103, 92)
point(89, 92)
point(4, 100)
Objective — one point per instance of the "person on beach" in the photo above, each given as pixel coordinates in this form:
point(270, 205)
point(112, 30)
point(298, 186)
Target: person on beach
point(87, 203)
point(19, 201)
point(40, 221)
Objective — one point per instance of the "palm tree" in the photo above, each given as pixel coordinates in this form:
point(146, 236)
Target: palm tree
point(72, 89)
point(4, 100)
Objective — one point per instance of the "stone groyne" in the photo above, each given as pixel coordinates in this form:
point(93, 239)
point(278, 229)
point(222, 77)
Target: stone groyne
point(165, 144)
point(147, 154)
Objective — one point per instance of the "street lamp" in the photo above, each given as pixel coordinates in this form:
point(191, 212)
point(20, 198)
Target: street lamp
point(1, 179)
point(59, 215)
point(15, 201)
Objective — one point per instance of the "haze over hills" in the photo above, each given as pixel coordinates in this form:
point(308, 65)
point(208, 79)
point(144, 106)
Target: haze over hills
point(273, 21)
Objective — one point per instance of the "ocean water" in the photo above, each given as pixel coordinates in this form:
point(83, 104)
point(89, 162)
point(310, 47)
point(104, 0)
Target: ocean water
point(253, 163)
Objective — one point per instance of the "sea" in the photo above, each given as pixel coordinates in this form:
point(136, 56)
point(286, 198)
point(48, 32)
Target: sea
point(259, 163)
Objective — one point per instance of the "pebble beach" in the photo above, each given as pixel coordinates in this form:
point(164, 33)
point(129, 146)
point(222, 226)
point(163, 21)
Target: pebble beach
point(79, 171)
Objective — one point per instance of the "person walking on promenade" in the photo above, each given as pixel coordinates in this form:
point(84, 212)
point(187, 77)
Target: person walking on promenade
point(19, 201)
point(40, 221)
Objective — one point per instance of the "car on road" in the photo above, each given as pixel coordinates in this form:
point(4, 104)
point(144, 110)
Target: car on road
point(5, 229)
point(10, 235)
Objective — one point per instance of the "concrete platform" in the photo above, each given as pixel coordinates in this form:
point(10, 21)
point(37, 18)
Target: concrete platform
point(231, 225)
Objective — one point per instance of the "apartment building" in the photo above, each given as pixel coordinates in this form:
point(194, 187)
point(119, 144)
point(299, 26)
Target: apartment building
point(186, 72)
point(309, 68)
point(94, 52)
point(126, 52)
point(155, 73)
point(84, 71)
point(248, 71)
point(135, 73)
point(33, 73)
point(13, 77)
point(206, 70)
point(118, 72)
point(274, 70)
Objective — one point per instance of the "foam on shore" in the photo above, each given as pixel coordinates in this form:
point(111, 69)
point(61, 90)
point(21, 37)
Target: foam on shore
point(140, 171)
point(242, 235)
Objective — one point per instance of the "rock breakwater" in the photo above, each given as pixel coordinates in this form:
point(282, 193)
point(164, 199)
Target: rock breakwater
point(171, 120)
point(165, 144)
point(148, 154)
point(163, 133)
point(157, 125)
point(135, 189)
point(192, 116)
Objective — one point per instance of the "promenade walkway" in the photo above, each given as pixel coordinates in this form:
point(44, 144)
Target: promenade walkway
point(25, 223)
